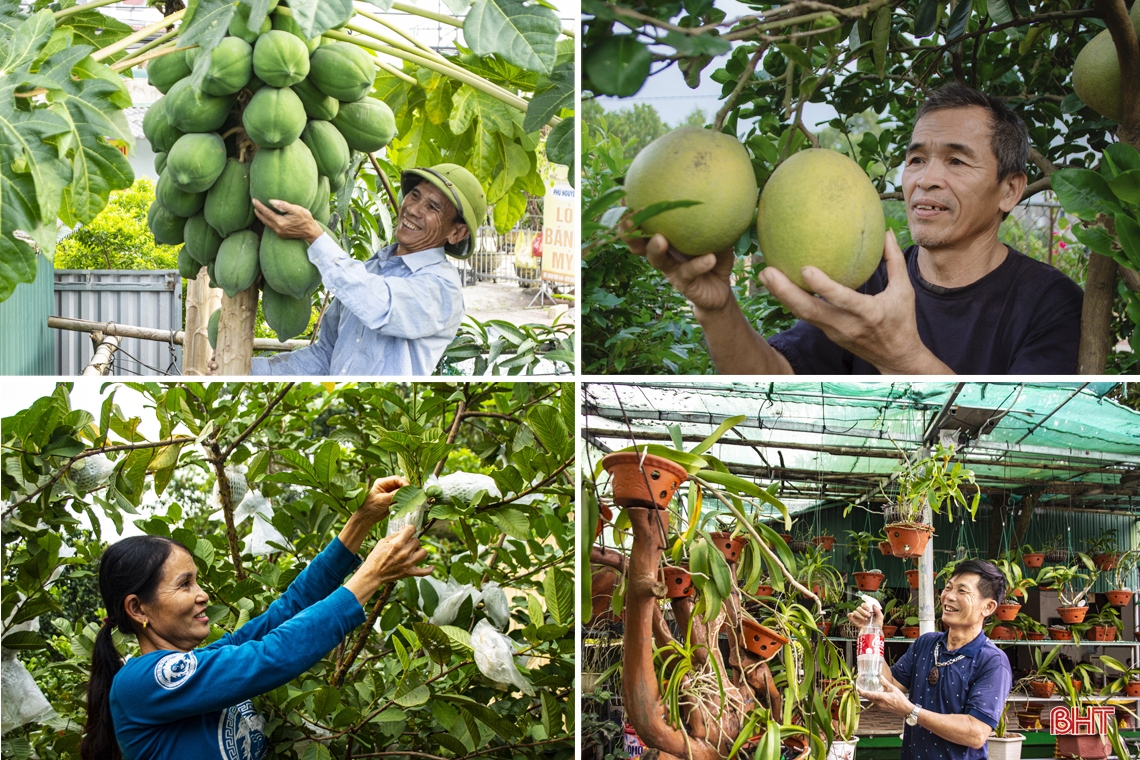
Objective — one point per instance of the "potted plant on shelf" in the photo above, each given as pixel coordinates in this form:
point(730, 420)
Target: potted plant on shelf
point(884, 544)
point(1060, 633)
point(1033, 560)
point(1073, 583)
point(817, 573)
point(1121, 592)
point(998, 630)
point(1004, 744)
point(1034, 629)
point(842, 702)
point(1017, 585)
point(1041, 679)
point(935, 481)
point(1128, 681)
point(858, 553)
point(909, 614)
point(1105, 625)
point(1104, 550)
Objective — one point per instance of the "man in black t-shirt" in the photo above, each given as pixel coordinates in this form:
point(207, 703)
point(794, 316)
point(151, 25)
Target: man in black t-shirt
point(959, 301)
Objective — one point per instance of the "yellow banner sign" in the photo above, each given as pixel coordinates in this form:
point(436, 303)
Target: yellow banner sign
point(560, 235)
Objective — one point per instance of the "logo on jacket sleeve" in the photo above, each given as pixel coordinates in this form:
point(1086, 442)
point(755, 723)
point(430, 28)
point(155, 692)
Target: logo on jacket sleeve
point(173, 669)
point(241, 733)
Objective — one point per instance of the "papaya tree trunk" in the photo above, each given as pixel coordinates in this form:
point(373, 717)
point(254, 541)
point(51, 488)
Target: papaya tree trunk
point(235, 333)
point(201, 302)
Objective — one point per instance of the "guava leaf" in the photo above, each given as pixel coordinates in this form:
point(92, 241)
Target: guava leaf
point(521, 33)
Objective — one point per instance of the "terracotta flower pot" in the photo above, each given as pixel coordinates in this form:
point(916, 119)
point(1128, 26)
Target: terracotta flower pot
point(824, 542)
point(605, 514)
point(912, 578)
point(1033, 561)
point(1118, 598)
point(1020, 594)
point(910, 631)
point(1035, 636)
point(634, 486)
point(1060, 634)
point(763, 590)
point(908, 540)
point(869, 581)
point(678, 582)
point(761, 641)
point(1070, 615)
point(885, 548)
point(1102, 633)
point(1077, 684)
point(826, 627)
point(1042, 689)
point(787, 538)
point(730, 547)
point(1105, 562)
point(1087, 747)
point(1007, 611)
point(889, 631)
point(1002, 633)
point(1132, 688)
point(1027, 720)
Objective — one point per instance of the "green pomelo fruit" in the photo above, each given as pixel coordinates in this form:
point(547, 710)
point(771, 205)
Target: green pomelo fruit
point(164, 71)
point(166, 227)
point(177, 201)
point(367, 125)
point(231, 66)
point(819, 208)
point(317, 104)
point(700, 165)
point(285, 315)
point(285, 265)
point(196, 161)
point(239, 26)
point(228, 208)
point(274, 117)
point(287, 174)
point(328, 147)
point(159, 162)
point(284, 23)
point(319, 208)
point(188, 268)
point(280, 59)
point(195, 111)
point(157, 129)
point(202, 240)
point(1096, 73)
point(212, 328)
point(236, 268)
point(342, 70)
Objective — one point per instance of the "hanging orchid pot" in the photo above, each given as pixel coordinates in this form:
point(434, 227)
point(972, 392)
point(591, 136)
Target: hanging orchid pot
point(1007, 612)
point(824, 542)
point(760, 641)
point(1106, 562)
point(764, 590)
point(912, 578)
point(605, 514)
point(908, 540)
point(678, 582)
point(885, 548)
point(1033, 561)
point(869, 580)
point(1071, 615)
point(730, 547)
point(648, 481)
point(1119, 597)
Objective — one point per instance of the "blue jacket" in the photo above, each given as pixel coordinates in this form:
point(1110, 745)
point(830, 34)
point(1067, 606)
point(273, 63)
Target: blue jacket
point(169, 705)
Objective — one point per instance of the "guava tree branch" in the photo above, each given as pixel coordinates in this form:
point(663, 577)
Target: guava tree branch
point(343, 666)
point(218, 462)
point(254, 425)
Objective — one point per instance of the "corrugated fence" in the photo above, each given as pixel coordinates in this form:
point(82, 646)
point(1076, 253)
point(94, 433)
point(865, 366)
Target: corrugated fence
point(25, 338)
point(144, 298)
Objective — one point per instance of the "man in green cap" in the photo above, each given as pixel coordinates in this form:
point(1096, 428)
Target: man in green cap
point(396, 313)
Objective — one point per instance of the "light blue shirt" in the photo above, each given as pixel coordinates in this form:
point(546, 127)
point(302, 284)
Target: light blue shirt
point(391, 315)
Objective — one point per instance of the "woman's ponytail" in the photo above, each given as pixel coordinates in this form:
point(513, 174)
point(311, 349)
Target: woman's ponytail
point(99, 739)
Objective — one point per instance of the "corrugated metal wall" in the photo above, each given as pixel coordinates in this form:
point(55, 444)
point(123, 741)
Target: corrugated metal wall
point(26, 341)
point(142, 298)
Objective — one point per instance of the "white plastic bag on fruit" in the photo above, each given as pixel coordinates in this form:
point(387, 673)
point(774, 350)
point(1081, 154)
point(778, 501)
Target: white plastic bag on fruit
point(451, 595)
point(239, 487)
point(464, 485)
point(495, 657)
point(495, 605)
point(91, 472)
point(258, 540)
point(23, 701)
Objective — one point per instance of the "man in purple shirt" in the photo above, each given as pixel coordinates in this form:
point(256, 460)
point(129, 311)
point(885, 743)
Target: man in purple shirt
point(951, 686)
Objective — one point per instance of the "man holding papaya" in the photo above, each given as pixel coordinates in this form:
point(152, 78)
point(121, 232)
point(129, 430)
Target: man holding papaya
point(395, 313)
point(959, 301)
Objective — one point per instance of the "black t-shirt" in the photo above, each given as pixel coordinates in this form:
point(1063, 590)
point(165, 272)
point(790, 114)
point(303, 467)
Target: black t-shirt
point(1023, 318)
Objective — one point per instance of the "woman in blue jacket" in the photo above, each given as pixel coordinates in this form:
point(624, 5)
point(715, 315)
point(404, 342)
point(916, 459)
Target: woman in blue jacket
point(176, 700)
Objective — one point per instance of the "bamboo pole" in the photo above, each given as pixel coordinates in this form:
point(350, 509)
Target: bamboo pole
point(163, 336)
point(100, 363)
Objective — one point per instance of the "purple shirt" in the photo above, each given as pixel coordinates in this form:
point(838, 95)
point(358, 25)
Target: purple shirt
point(977, 685)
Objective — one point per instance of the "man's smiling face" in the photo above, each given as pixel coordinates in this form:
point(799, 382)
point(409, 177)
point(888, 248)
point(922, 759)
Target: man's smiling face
point(427, 219)
point(950, 180)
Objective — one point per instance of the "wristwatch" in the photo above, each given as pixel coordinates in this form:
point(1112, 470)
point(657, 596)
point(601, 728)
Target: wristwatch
point(912, 719)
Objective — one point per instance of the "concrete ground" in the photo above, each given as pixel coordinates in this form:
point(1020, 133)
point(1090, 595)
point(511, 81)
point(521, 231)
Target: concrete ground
point(508, 302)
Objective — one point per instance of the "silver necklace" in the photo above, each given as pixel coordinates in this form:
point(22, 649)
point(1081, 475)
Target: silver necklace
point(933, 675)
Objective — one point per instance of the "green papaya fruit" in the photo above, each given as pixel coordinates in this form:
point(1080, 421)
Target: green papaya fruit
point(284, 23)
point(196, 111)
point(196, 161)
point(287, 174)
point(236, 266)
point(319, 208)
point(367, 125)
point(166, 227)
point(336, 182)
point(157, 129)
point(328, 147)
point(231, 66)
point(212, 328)
point(159, 162)
point(317, 104)
point(202, 240)
point(274, 117)
point(248, 5)
point(177, 202)
point(213, 277)
point(287, 316)
point(188, 268)
point(255, 84)
point(164, 71)
point(342, 70)
point(239, 26)
point(280, 59)
point(228, 208)
point(285, 265)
